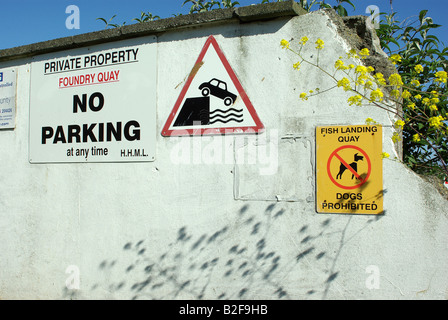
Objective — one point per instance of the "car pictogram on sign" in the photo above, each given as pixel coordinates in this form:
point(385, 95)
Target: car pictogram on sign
point(217, 88)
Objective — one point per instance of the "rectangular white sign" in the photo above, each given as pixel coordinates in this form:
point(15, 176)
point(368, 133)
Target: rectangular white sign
point(95, 104)
point(7, 98)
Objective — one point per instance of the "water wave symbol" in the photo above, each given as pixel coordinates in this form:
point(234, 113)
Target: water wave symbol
point(225, 116)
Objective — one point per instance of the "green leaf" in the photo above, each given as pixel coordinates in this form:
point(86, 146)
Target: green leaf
point(341, 11)
point(422, 15)
point(349, 2)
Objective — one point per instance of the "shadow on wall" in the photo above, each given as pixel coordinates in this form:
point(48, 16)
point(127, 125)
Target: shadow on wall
point(234, 262)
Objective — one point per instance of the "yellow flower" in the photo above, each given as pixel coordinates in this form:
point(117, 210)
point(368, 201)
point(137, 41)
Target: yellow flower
point(303, 40)
point(370, 121)
point(395, 58)
point(369, 84)
point(364, 53)
point(352, 54)
point(406, 94)
point(355, 100)
point(426, 101)
point(320, 44)
point(303, 96)
point(361, 70)
point(395, 93)
point(284, 44)
point(415, 83)
point(351, 66)
point(370, 69)
point(384, 155)
point(436, 121)
point(418, 68)
point(399, 124)
point(362, 79)
point(296, 66)
point(396, 137)
point(433, 107)
point(395, 80)
point(441, 76)
point(418, 96)
point(376, 95)
point(416, 137)
point(345, 83)
point(339, 65)
point(435, 100)
point(380, 78)
point(379, 75)
point(411, 105)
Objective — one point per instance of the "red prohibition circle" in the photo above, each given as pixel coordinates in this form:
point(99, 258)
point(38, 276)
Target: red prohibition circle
point(335, 153)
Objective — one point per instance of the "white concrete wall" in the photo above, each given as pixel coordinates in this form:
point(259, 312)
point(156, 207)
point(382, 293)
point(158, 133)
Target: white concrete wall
point(170, 230)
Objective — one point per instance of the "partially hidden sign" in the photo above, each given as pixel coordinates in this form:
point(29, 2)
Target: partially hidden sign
point(7, 98)
point(349, 170)
point(212, 100)
point(95, 104)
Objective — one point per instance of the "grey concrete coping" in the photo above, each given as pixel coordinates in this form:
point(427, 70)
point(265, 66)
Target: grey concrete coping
point(240, 14)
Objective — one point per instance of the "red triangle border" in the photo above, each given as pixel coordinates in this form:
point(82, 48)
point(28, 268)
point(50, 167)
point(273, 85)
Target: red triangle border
point(258, 128)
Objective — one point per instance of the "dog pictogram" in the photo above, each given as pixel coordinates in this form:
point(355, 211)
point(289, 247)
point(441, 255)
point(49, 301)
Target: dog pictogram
point(341, 165)
point(353, 165)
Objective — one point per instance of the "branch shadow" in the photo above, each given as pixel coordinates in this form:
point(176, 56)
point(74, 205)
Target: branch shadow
point(219, 265)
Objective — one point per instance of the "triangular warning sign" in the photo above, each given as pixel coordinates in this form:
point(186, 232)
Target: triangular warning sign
point(212, 100)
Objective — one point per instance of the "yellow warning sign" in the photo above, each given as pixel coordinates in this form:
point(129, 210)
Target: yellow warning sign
point(349, 169)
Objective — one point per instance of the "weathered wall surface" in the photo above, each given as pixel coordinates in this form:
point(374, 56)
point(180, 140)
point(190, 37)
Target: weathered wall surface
point(200, 225)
